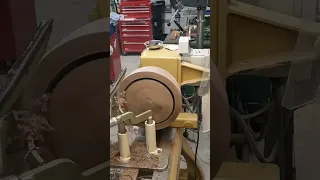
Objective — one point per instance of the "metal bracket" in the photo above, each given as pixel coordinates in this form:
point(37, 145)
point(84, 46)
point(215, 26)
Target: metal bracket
point(129, 119)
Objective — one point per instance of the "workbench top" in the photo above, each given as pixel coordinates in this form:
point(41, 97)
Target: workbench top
point(167, 40)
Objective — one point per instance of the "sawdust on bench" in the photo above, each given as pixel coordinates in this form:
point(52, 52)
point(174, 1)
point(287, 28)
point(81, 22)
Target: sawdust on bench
point(115, 173)
point(139, 156)
point(129, 174)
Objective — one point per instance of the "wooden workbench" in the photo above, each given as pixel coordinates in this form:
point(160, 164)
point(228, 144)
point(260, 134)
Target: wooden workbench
point(167, 40)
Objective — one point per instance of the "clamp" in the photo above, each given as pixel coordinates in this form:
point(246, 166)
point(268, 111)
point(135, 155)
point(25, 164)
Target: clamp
point(129, 119)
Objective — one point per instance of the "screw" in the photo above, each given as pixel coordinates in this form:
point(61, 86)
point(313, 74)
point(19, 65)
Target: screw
point(150, 121)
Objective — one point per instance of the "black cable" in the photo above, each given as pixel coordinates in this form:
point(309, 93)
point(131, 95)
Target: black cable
point(186, 135)
point(192, 108)
point(187, 103)
point(263, 132)
point(198, 135)
point(196, 154)
point(179, 26)
point(191, 140)
point(192, 96)
point(115, 3)
point(257, 113)
point(251, 140)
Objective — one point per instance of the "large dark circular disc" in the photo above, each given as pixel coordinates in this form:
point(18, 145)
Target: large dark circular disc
point(78, 110)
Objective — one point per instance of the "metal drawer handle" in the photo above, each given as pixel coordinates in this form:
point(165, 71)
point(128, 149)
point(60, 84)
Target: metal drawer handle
point(131, 12)
point(125, 25)
point(136, 9)
point(141, 6)
point(135, 35)
point(134, 20)
point(125, 30)
point(133, 43)
point(148, 19)
point(136, 23)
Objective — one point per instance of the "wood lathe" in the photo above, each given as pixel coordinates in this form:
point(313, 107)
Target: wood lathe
point(156, 87)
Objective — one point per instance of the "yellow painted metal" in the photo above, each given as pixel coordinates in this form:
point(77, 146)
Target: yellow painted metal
point(175, 154)
point(183, 72)
point(192, 165)
point(191, 74)
point(186, 120)
point(243, 38)
point(183, 174)
point(163, 58)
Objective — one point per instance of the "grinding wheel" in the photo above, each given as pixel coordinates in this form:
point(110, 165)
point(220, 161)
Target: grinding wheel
point(153, 88)
point(75, 74)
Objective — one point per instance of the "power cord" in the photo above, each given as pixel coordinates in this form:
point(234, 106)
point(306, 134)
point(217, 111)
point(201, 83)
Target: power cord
point(186, 135)
point(196, 154)
point(198, 134)
point(251, 140)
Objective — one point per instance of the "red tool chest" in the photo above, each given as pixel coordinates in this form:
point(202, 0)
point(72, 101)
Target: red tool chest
point(135, 25)
point(115, 64)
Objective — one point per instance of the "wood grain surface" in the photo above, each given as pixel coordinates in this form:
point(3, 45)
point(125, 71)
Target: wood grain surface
point(156, 89)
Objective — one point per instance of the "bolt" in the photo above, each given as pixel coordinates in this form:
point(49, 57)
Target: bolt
point(122, 128)
point(150, 121)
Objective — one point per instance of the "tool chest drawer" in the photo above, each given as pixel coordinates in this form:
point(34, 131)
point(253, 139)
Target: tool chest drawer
point(135, 25)
point(135, 22)
point(133, 47)
point(134, 3)
point(135, 34)
point(127, 10)
point(141, 29)
point(136, 38)
point(144, 25)
point(135, 9)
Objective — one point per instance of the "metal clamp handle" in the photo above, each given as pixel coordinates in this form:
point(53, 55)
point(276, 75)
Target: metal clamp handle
point(129, 118)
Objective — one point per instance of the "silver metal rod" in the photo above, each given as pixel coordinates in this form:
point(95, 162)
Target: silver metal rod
point(117, 83)
point(200, 27)
point(189, 32)
point(174, 16)
point(150, 121)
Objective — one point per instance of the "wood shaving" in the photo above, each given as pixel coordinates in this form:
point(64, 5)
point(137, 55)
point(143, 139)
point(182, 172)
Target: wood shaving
point(120, 101)
point(115, 173)
point(139, 156)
